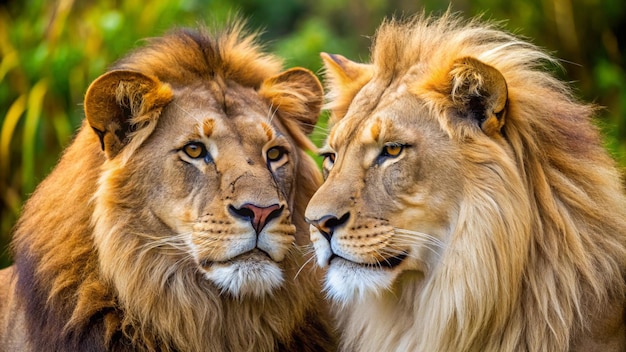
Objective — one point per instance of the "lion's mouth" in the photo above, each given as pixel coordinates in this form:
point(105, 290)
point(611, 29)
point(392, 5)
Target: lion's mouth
point(386, 263)
point(255, 255)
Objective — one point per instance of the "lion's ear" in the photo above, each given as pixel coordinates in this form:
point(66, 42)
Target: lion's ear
point(344, 78)
point(298, 95)
point(479, 92)
point(120, 104)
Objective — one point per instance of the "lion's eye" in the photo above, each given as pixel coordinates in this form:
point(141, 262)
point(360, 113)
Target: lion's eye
point(275, 153)
point(330, 157)
point(195, 150)
point(392, 150)
point(329, 160)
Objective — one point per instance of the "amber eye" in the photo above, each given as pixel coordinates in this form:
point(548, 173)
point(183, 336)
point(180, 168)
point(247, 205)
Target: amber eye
point(392, 150)
point(275, 153)
point(195, 150)
point(329, 160)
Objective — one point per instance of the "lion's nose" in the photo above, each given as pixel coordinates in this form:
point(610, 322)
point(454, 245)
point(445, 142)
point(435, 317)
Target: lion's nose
point(258, 216)
point(328, 224)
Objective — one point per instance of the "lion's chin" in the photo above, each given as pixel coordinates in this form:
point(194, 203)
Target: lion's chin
point(347, 281)
point(247, 276)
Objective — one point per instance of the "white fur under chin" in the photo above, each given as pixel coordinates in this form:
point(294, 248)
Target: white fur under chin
point(246, 278)
point(346, 282)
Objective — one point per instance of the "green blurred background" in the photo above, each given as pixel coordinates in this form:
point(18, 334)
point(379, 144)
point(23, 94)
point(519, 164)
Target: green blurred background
point(51, 50)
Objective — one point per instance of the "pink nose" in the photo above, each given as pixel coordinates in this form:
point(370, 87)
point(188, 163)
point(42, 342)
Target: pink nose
point(258, 216)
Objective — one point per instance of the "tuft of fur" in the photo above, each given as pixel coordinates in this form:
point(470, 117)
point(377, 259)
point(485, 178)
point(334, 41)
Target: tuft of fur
point(65, 293)
point(185, 56)
point(536, 258)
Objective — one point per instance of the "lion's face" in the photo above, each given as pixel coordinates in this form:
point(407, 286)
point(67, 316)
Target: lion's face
point(212, 186)
point(224, 188)
point(395, 169)
point(391, 180)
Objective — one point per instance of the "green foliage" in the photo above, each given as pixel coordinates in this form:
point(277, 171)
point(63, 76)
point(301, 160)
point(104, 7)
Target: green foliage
point(51, 50)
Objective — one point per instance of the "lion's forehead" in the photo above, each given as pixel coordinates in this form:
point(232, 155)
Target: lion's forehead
point(248, 128)
point(359, 129)
point(394, 119)
point(208, 123)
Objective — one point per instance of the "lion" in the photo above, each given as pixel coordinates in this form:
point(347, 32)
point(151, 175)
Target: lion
point(468, 203)
point(175, 219)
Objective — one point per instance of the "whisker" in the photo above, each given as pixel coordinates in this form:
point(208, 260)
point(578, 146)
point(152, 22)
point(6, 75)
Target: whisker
point(412, 242)
point(415, 235)
point(409, 237)
point(272, 113)
point(319, 129)
point(392, 251)
point(381, 255)
point(307, 250)
point(189, 114)
point(302, 266)
point(171, 244)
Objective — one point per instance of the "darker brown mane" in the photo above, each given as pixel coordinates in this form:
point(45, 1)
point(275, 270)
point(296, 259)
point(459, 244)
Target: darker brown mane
point(64, 300)
point(184, 56)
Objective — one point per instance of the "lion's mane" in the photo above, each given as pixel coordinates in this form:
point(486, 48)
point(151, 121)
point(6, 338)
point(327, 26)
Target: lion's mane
point(537, 259)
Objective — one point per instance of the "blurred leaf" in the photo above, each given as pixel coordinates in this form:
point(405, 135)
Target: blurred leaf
point(608, 75)
point(8, 129)
point(33, 115)
point(9, 62)
point(111, 23)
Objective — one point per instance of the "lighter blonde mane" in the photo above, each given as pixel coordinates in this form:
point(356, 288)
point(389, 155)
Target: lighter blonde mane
point(531, 260)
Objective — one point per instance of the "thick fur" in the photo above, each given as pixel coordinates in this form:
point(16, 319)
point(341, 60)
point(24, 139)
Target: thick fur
point(468, 204)
point(136, 243)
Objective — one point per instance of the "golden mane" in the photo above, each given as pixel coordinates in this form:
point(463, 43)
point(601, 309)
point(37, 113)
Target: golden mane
point(532, 265)
point(67, 301)
point(186, 56)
